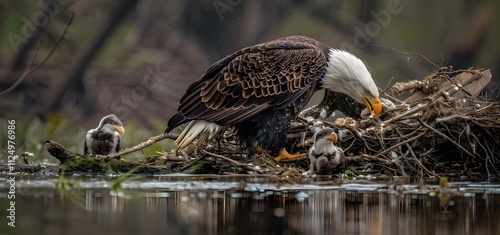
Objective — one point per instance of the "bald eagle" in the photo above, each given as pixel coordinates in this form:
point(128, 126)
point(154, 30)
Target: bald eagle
point(105, 139)
point(259, 89)
point(324, 156)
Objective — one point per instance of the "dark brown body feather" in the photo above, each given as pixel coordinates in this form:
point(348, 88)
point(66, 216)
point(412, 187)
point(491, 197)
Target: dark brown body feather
point(275, 78)
point(272, 74)
point(102, 143)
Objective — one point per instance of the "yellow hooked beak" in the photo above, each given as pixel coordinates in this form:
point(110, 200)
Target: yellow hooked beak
point(373, 104)
point(120, 129)
point(333, 137)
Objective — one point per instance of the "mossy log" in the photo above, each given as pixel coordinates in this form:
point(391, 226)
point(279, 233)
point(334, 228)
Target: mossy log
point(75, 163)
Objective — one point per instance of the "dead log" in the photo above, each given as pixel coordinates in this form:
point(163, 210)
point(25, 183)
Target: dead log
point(75, 163)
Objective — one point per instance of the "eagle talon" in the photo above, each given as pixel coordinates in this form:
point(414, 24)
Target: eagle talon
point(286, 155)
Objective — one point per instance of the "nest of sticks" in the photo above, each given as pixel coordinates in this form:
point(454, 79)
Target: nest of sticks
point(442, 129)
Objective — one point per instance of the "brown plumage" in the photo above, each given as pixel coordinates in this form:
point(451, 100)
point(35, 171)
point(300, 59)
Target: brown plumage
point(260, 89)
point(253, 79)
point(105, 139)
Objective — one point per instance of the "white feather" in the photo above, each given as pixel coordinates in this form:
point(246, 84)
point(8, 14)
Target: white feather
point(321, 151)
point(105, 128)
point(206, 130)
point(323, 113)
point(388, 104)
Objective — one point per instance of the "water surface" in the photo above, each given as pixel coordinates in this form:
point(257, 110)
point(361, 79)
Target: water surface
point(248, 205)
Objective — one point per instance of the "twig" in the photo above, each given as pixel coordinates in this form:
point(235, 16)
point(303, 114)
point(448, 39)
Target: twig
point(488, 157)
point(386, 86)
point(232, 161)
point(365, 156)
point(454, 89)
point(405, 114)
point(30, 70)
point(400, 87)
point(401, 143)
point(192, 163)
point(37, 49)
point(485, 107)
point(447, 138)
point(399, 165)
point(144, 144)
point(487, 167)
point(406, 53)
point(449, 118)
point(390, 97)
point(420, 163)
point(493, 166)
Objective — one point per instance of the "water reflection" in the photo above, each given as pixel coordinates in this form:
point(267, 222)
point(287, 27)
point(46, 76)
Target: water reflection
point(239, 210)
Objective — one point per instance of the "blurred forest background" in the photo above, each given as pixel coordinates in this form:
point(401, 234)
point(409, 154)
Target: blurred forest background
point(135, 58)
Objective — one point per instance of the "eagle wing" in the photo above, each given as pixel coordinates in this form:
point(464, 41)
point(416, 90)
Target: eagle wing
point(271, 74)
point(118, 147)
point(85, 149)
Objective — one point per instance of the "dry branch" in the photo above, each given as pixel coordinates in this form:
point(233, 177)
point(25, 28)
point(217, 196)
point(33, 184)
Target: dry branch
point(246, 166)
point(32, 68)
point(144, 144)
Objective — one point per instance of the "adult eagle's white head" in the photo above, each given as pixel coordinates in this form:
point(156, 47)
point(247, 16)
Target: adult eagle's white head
point(347, 74)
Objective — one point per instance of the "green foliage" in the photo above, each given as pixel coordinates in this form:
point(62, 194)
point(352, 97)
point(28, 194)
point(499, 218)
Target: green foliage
point(117, 183)
point(65, 183)
point(69, 188)
point(349, 173)
point(30, 135)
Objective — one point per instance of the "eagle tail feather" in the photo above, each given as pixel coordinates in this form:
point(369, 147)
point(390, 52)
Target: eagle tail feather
point(206, 130)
